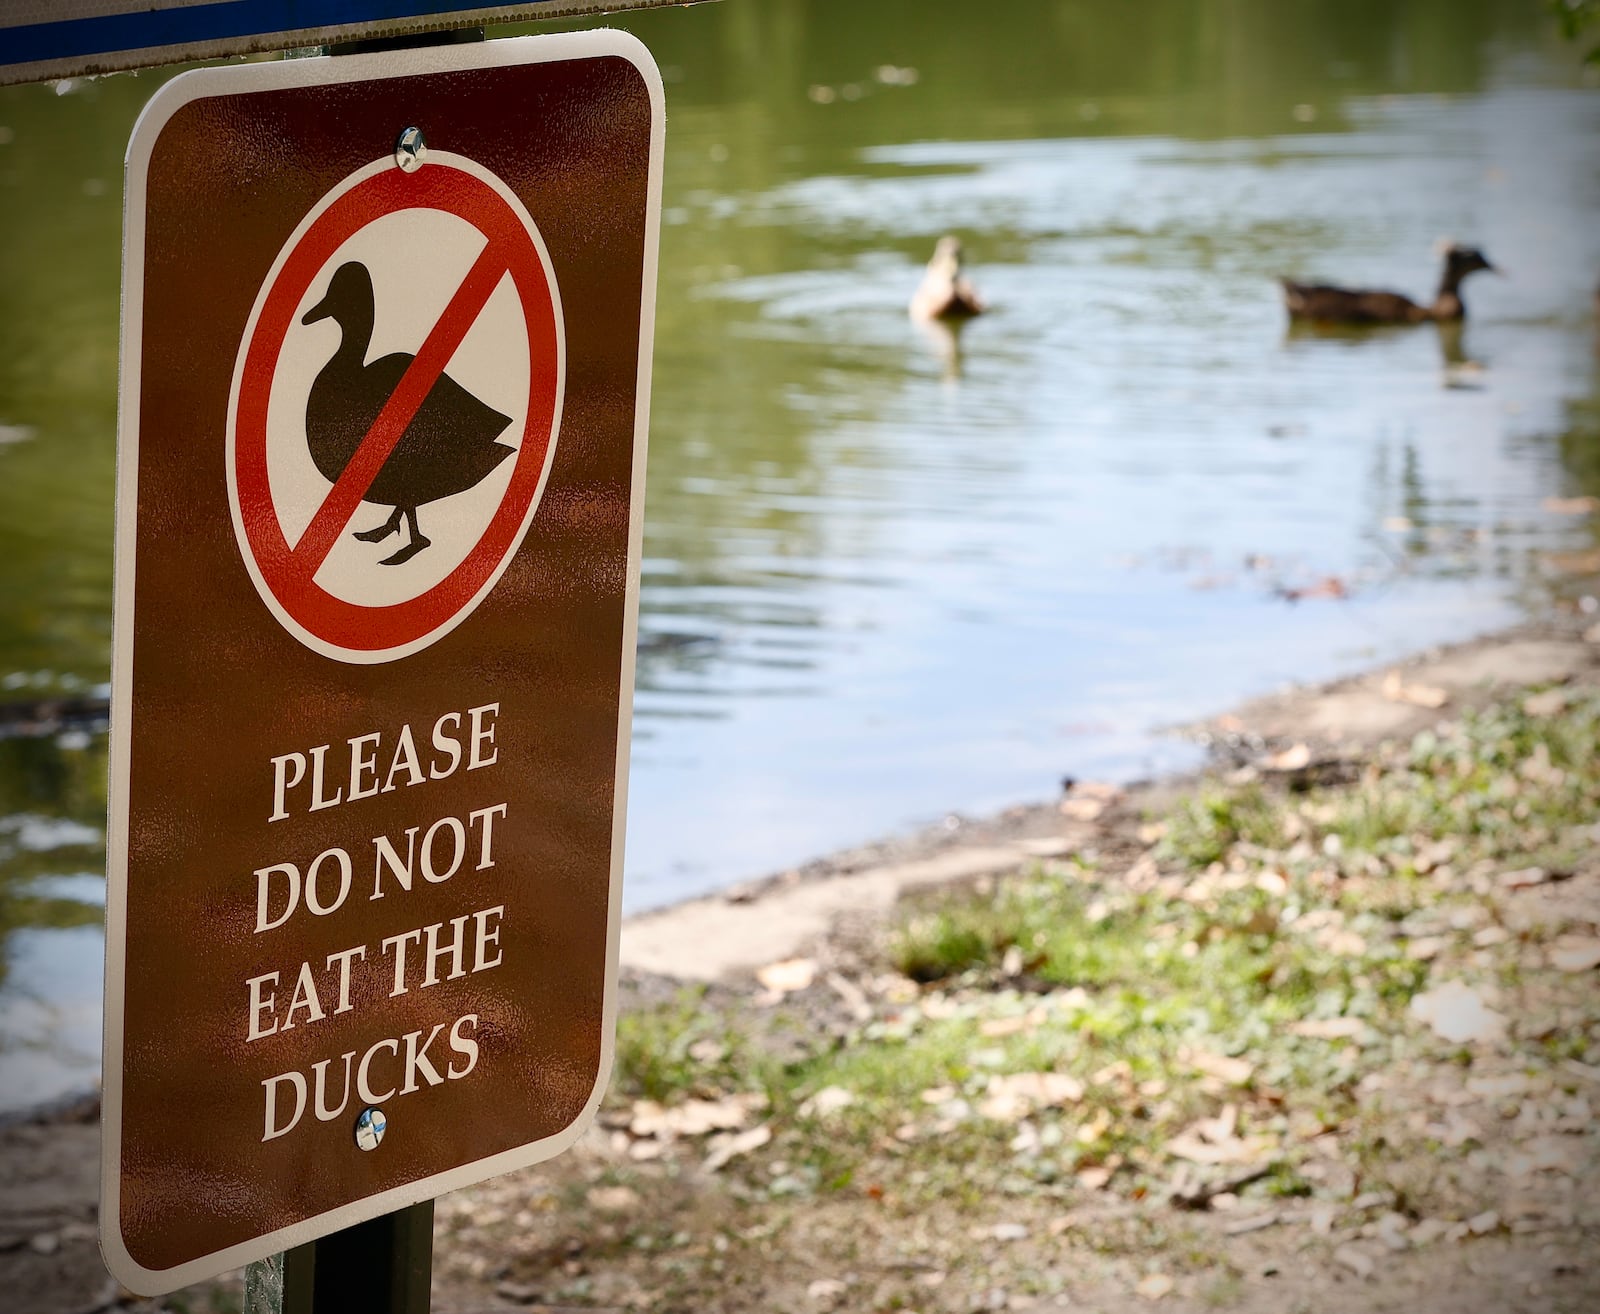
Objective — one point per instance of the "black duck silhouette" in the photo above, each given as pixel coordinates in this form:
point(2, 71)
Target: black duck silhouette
point(448, 447)
point(1341, 305)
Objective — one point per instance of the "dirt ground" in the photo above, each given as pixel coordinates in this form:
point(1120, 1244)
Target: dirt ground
point(1454, 1177)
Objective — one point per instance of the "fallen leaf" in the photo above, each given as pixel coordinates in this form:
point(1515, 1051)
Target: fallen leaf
point(1272, 882)
point(1100, 789)
point(1012, 1026)
point(1524, 878)
point(1484, 1223)
point(613, 1199)
point(1546, 1154)
point(1345, 943)
point(1211, 1154)
point(1213, 1141)
point(1118, 1073)
point(1294, 758)
point(1096, 1178)
point(827, 1101)
point(1082, 809)
point(1095, 1128)
point(784, 978)
point(1456, 1012)
point(1087, 799)
point(694, 1117)
point(1549, 703)
point(1155, 1286)
point(1234, 1071)
point(1427, 1231)
point(1329, 1028)
point(1397, 690)
point(1011, 1098)
point(826, 1291)
point(1427, 947)
point(1501, 1087)
point(1046, 848)
point(1575, 954)
point(732, 1145)
point(708, 1050)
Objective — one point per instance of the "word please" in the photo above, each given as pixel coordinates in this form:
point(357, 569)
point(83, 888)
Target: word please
point(304, 779)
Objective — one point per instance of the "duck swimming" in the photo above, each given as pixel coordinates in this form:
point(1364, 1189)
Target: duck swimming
point(1360, 306)
point(945, 292)
point(448, 447)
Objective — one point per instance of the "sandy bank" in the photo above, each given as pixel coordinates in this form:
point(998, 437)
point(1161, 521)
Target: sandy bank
point(726, 934)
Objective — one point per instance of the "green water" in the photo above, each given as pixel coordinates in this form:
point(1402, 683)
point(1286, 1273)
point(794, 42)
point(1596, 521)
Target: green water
point(888, 575)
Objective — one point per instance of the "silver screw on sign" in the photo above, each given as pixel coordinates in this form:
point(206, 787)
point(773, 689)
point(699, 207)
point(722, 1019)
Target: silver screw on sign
point(370, 1127)
point(411, 150)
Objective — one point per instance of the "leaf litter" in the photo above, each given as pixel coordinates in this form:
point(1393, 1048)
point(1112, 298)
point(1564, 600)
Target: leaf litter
point(1357, 1017)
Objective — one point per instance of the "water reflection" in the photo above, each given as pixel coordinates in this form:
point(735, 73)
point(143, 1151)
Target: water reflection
point(52, 896)
point(885, 575)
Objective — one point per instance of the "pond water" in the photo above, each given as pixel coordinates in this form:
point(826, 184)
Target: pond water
point(892, 574)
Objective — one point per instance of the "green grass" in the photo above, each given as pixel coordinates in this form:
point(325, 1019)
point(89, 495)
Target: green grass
point(1205, 826)
point(1272, 908)
point(682, 1048)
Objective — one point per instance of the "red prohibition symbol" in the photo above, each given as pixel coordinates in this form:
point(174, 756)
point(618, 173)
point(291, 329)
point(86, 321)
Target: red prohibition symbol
point(285, 572)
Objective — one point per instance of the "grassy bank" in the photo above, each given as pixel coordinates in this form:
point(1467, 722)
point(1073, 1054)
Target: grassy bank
point(1342, 1011)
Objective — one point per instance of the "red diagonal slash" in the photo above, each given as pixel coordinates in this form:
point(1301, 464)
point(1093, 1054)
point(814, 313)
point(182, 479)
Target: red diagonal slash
point(350, 489)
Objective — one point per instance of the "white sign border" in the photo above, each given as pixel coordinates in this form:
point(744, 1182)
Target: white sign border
point(243, 80)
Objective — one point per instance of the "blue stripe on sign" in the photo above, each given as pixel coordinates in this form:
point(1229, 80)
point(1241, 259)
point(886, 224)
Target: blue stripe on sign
point(193, 24)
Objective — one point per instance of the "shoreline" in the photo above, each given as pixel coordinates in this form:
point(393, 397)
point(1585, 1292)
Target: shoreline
point(725, 937)
point(732, 933)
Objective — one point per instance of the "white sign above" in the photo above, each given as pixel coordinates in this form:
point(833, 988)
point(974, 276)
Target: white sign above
point(41, 39)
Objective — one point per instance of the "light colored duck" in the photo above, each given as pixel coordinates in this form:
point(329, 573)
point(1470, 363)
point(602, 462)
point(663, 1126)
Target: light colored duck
point(945, 292)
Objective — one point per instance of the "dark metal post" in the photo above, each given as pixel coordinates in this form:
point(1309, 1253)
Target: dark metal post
point(385, 1265)
point(382, 1266)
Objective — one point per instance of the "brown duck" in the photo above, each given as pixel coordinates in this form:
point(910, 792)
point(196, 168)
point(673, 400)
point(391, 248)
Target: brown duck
point(448, 447)
point(945, 292)
point(1340, 305)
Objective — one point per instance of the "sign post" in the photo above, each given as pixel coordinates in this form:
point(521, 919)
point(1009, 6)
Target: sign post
point(385, 376)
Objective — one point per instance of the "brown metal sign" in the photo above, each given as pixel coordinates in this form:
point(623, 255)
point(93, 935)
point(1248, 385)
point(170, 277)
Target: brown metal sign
point(386, 347)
